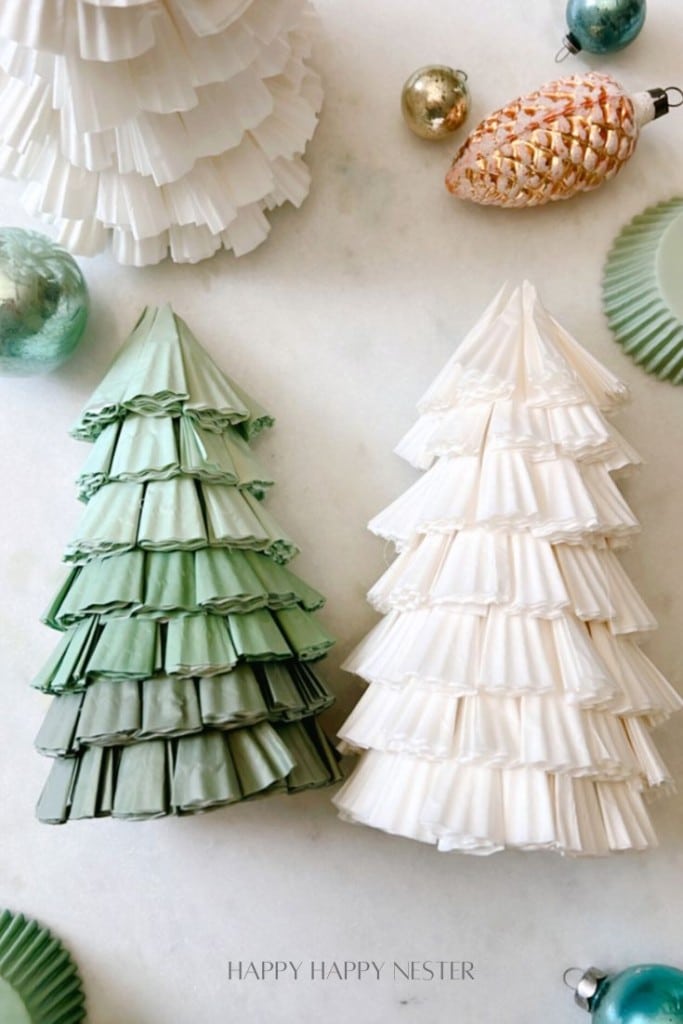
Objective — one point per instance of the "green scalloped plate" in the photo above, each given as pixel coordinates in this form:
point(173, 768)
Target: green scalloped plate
point(642, 289)
point(39, 981)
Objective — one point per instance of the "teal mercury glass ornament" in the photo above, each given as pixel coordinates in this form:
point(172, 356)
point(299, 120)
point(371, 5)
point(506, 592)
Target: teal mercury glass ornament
point(602, 26)
point(646, 994)
point(43, 303)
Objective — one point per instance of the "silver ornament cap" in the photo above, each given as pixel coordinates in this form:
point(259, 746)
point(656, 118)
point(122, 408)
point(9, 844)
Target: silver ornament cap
point(587, 986)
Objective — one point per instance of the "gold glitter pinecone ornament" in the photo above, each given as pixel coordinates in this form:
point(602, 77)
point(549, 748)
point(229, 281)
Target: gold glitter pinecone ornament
point(567, 137)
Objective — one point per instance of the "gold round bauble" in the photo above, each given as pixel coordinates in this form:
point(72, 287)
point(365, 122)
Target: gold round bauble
point(435, 101)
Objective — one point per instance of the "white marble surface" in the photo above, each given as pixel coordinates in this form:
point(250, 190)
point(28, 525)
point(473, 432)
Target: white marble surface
point(337, 324)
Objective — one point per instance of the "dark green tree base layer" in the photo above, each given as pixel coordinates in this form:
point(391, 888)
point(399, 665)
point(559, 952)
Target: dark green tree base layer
point(189, 775)
point(115, 712)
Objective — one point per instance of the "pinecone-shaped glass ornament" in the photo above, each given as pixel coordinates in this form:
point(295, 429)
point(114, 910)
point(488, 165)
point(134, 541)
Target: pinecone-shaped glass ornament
point(569, 136)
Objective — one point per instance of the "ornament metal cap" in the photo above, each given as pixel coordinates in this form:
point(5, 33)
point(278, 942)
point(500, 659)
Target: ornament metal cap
point(662, 102)
point(587, 986)
point(570, 45)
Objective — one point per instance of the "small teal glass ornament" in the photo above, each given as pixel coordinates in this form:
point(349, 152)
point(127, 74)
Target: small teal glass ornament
point(646, 994)
point(602, 26)
point(43, 303)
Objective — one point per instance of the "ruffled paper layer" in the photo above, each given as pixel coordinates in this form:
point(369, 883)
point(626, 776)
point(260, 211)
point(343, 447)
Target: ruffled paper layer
point(115, 712)
point(577, 431)
point(188, 775)
point(171, 130)
point(483, 810)
point(164, 585)
point(162, 371)
point(509, 704)
point(540, 732)
point(503, 655)
point(517, 350)
point(180, 682)
point(41, 973)
point(139, 449)
point(556, 500)
point(477, 568)
point(190, 645)
point(179, 514)
point(201, 44)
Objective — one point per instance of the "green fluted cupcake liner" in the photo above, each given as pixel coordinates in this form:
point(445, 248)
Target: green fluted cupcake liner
point(139, 449)
point(157, 584)
point(188, 775)
point(162, 370)
point(176, 514)
point(642, 295)
point(114, 712)
point(39, 981)
point(191, 645)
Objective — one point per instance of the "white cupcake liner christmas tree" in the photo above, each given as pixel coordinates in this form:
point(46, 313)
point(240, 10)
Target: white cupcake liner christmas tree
point(171, 125)
point(510, 703)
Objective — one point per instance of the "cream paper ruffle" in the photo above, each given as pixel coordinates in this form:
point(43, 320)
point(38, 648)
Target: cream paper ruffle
point(556, 499)
point(579, 431)
point(505, 732)
point(171, 126)
point(484, 810)
point(477, 568)
point(516, 349)
point(509, 702)
point(463, 653)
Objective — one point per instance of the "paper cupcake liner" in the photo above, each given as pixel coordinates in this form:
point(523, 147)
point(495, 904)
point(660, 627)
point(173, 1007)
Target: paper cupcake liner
point(176, 514)
point(103, 35)
point(167, 584)
point(577, 431)
point(188, 775)
point(162, 370)
point(102, 97)
point(179, 145)
point(454, 651)
point(39, 981)
point(541, 732)
point(139, 449)
point(483, 810)
point(478, 568)
point(114, 712)
point(641, 290)
point(191, 645)
point(549, 369)
point(556, 499)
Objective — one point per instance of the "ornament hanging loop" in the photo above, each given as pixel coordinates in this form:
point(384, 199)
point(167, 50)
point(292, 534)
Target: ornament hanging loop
point(570, 47)
point(662, 101)
point(572, 970)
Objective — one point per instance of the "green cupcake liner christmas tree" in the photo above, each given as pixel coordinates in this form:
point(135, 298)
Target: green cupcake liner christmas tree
point(182, 681)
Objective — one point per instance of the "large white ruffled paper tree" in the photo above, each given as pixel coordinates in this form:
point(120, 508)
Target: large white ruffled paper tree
point(171, 125)
point(510, 704)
